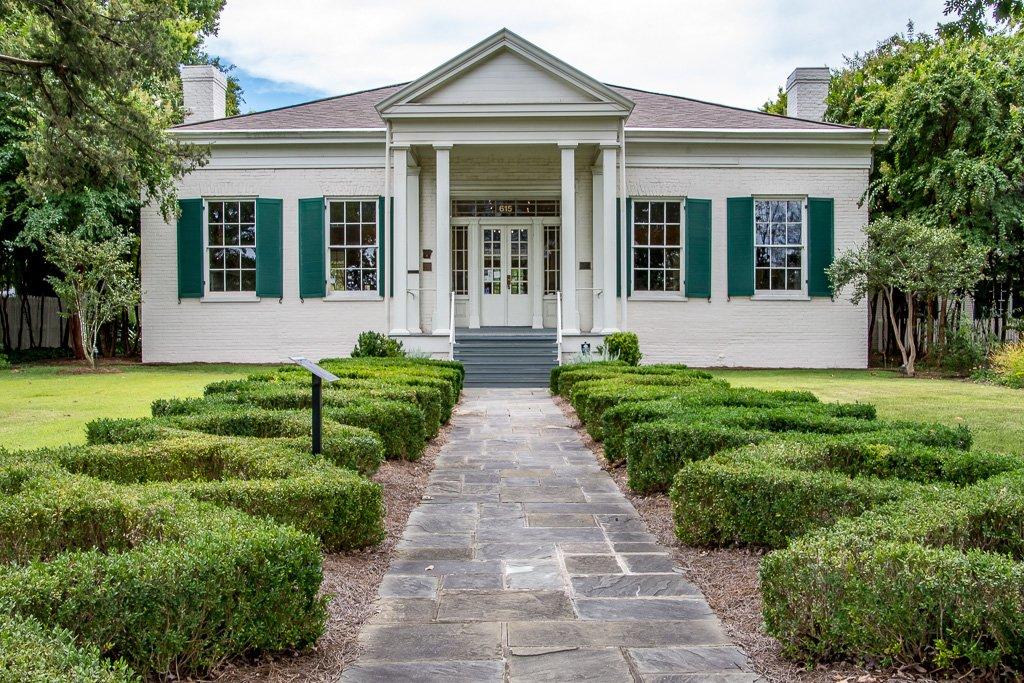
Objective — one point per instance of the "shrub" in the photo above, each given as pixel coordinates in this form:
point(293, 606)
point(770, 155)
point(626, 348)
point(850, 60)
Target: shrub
point(354, 448)
point(162, 581)
point(377, 345)
point(263, 477)
point(964, 350)
point(623, 346)
point(936, 578)
point(591, 371)
point(557, 371)
point(657, 450)
point(1008, 362)
point(33, 653)
point(5, 363)
point(771, 492)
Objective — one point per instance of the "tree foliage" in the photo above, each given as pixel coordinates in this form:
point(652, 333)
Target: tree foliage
point(776, 105)
point(96, 283)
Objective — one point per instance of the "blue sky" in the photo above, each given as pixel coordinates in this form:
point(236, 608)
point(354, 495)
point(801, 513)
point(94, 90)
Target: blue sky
point(734, 52)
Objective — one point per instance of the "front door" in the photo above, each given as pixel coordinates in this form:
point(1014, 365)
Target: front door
point(505, 276)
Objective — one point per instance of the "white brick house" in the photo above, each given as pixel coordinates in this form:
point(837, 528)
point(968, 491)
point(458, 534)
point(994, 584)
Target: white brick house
point(704, 228)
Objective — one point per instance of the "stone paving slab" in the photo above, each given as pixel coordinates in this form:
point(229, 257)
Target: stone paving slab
point(524, 562)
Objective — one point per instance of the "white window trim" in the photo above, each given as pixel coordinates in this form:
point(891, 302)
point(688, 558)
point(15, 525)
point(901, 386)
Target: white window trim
point(646, 295)
point(775, 294)
point(246, 296)
point(343, 294)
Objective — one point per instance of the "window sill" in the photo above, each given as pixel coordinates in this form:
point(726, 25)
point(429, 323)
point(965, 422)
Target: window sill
point(230, 299)
point(780, 297)
point(353, 296)
point(658, 297)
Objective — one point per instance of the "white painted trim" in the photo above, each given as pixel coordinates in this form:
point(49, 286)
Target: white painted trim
point(787, 294)
point(656, 295)
point(245, 295)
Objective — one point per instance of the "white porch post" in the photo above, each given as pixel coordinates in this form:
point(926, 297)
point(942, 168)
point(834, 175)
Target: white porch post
point(570, 312)
point(412, 240)
point(536, 273)
point(442, 252)
point(608, 175)
point(400, 276)
point(597, 252)
point(474, 283)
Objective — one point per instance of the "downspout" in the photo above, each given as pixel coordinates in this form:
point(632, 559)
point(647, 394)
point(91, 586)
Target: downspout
point(385, 248)
point(627, 239)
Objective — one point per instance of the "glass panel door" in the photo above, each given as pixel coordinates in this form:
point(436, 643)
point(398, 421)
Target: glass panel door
point(505, 276)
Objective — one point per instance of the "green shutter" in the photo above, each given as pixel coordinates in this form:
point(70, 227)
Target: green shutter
point(618, 247)
point(312, 269)
point(740, 228)
point(698, 248)
point(380, 242)
point(820, 245)
point(190, 249)
point(269, 248)
point(391, 250)
point(629, 246)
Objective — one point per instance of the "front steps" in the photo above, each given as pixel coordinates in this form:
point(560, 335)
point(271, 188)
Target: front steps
point(506, 356)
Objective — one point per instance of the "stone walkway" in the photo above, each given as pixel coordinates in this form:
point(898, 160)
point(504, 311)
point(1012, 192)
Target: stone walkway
point(524, 562)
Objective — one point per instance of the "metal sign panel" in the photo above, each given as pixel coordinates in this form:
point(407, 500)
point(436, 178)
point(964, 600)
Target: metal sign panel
point(314, 368)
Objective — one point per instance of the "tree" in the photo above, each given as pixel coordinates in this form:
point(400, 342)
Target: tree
point(96, 283)
point(777, 105)
point(910, 258)
point(973, 16)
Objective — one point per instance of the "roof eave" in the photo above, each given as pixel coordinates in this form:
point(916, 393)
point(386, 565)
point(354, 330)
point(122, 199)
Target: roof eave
point(854, 136)
point(270, 135)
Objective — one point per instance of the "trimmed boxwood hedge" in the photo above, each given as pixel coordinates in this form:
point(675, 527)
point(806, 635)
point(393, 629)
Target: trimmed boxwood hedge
point(152, 576)
point(584, 372)
point(354, 448)
point(937, 577)
point(33, 653)
point(263, 477)
point(769, 493)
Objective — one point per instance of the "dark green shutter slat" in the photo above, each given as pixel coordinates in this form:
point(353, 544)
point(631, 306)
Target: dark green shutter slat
point(740, 229)
point(820, 245)
point(380, 242)
point(391, 251)
point(190, 249)
point(618, 247)
point(629, 246)
point(312, 270)
point(698, 248)
point(269, 248)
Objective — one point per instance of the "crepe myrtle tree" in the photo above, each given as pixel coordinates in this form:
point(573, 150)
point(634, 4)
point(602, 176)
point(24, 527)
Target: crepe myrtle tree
point(910, 258)
point(96, 283)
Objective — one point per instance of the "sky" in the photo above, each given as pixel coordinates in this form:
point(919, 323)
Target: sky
point(735, 52)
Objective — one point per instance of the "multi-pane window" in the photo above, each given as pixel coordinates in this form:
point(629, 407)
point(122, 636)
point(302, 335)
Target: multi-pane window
point(505, 208)
point(552, 258)
point(778, 244)
point(231, 245)
point(519, 261)
point(460, 259)
point(492, 260)
point(352, 245)
point(657, 246)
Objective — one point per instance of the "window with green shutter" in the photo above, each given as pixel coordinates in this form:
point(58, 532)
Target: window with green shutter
point(269, 248)
point(656, 253)
point(190, 248)
point(230, 247)
point(312, 268)
point(820, 245)
point(740, 248)
point(698, 248)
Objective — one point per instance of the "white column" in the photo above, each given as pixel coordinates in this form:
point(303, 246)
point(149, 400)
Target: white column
point(399, 277)
point(608, 175)
point(570, 312)
point(412, 241)
point(443, 247)
point(597, 252)
point(536, 272)
point(474, 283)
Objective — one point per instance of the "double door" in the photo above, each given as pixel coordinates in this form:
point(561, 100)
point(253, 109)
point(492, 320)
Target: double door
point(505, 296)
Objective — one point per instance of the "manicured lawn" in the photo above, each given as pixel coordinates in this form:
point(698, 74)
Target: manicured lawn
point(46, 405)
point(995, 414)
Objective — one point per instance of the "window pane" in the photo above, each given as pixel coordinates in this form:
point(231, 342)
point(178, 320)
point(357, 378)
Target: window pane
point(216, 235)
point(657, 212)
point(763, 233)
point(641, 258)
point(795, 211)
point(215, 212)
point(248, 280)
point(658, 280)
point(351, 212)
point(672, 212)
point(369, 213)
point(672, 259)
point(778, 211)
point(761, 258)
point(672, 235)
point(640, 281)
point(778, 233)
point(793, 258)
point(793, 279)
point(232, 281)
point(337, 212)
point(337, 234)
point(248, 212)
point(248, 258)
point(231, 212)
point(369, 280)
point(657, 234)
point(778, 279)
point(762, 279)
point(369, 234)
point(352, 258)
point(762, 213)
point(641, 234)
point(672, 281)
point(642, 212)
point(231, 258)
point(217, 281)
point(231, 234)
point(369, 257)
point(778, 258)
point(657, 258)
point(793, 231)
point(217, 258)
point(352, 234)
point(247, 234)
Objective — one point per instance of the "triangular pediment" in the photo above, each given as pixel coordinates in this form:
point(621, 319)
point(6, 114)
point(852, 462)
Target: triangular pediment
point(504, 73)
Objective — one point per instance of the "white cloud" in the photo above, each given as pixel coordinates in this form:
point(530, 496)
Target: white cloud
point(732, 51)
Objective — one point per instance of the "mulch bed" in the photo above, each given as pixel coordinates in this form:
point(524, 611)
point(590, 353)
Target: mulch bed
point(351, 580)
point(728, 577)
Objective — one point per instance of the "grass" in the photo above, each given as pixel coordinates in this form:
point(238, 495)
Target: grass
point(48, 405)
point(995, 414)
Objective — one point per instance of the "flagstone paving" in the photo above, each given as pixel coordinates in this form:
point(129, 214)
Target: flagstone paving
point(524, 562)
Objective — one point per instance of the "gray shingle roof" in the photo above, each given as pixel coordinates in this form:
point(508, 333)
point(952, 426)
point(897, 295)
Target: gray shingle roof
point(356, 110)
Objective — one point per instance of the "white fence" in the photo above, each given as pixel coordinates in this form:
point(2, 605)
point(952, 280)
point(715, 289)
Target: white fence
point(32, 321)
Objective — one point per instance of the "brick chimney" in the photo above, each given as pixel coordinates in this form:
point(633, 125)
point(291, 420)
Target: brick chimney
point(806, 90)
point(205, 92)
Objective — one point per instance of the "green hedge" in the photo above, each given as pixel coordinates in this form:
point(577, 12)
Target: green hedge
point(556, 372)
point(354, 448)
point(936, 578)
point(657, 450)
point(772, 492)
point(584, 372)
point(162, 581)
point(263, 477)
point(33, 653)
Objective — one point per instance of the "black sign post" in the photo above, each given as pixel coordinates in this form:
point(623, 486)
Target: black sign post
point(319, 375)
